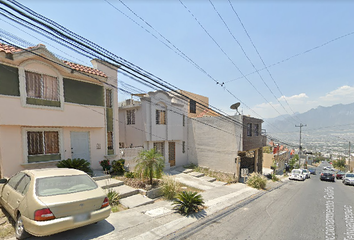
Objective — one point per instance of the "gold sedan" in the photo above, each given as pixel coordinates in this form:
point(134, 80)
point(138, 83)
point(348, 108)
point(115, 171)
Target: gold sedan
point(47, 201)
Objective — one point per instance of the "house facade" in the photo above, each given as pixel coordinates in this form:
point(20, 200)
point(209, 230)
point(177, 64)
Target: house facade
point(158, 120)
point(52, 110)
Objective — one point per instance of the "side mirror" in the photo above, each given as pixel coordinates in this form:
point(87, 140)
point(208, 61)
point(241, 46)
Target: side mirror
point(3, 180)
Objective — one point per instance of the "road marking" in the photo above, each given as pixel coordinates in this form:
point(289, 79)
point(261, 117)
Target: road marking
point(330, 225)
point(349, 222)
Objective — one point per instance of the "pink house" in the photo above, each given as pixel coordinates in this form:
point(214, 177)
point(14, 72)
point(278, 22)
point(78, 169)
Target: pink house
point(52, 110)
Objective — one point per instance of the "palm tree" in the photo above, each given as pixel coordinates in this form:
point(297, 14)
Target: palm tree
point(188, 202)
point(150, 164)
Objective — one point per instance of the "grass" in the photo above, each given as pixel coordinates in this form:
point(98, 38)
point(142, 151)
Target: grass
point(220, 176)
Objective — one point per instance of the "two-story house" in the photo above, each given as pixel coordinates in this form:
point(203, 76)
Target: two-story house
point(157, 120)
point(52, 110)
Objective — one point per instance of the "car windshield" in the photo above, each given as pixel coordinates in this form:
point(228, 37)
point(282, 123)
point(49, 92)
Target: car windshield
point(349, 175)
point(296, 172)
point(59, 185)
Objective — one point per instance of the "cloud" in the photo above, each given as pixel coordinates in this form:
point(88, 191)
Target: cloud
point(344, 94)
point(295, 98)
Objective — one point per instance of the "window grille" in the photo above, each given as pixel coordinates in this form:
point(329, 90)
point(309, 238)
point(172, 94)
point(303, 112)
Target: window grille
point(131, 117)
point(249, 129)
point(42, 86)
point(160, 117)
point(159, 147)
point(192, 106)
point(256, 131)
point(183, 147)
point(108, 98)
point(42, 142)
point(110, 140)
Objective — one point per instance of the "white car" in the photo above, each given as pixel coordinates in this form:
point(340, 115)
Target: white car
point(306, 173)
point(297, 174)
point(348, 179)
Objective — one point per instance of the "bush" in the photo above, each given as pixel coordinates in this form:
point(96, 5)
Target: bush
point(76, 163)
point(188, 202)
point(256, 180)
point(170, 187)
point(129, 174)
point(118, 166)
point(113, 197)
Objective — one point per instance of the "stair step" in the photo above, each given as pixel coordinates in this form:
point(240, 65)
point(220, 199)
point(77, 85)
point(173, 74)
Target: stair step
point(188, 171)
point(97, 178)
point(208, 179)
point(135, 201)
point(125, 191)
point(109, 183)
point(196, 174)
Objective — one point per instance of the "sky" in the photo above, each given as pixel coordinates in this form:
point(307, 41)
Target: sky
point(274, 57)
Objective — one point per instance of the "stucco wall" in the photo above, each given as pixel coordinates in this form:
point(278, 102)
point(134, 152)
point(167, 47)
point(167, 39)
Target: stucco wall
point(214, 147)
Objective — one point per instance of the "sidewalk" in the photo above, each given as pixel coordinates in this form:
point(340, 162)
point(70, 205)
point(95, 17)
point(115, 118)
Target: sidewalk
point(157, 220)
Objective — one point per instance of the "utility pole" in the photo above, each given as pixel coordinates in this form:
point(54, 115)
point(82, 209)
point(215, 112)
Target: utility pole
point(349, 156)
point(300, 148)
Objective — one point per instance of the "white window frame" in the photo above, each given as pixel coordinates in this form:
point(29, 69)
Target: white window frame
point(131, 120)
point(47, 70)
point(25, 146)
point(158, 117)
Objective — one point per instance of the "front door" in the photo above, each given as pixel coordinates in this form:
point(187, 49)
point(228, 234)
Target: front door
point(80, 147)
point(172, 153)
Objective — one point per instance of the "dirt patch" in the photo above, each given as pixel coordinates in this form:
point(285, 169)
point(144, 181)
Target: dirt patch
point(139, 183)
point(7, 229)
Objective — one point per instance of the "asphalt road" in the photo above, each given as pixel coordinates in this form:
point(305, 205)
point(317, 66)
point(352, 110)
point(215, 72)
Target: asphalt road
point(312, 209)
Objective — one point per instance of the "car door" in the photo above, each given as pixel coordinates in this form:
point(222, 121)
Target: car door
point(17, 196)
point(9, 192)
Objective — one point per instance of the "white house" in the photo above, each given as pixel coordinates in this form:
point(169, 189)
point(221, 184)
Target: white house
point(158, 120)
point(52, 110)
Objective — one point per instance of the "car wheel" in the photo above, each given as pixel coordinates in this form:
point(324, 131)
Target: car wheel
point(20, 229)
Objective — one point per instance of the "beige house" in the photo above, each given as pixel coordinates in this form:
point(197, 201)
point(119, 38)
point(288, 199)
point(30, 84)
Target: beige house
point(52, 110)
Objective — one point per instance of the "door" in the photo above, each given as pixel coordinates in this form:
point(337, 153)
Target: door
point(172, 153)
point(80, 146)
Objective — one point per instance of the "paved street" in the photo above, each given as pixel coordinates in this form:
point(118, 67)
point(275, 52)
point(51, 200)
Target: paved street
point(298, 210)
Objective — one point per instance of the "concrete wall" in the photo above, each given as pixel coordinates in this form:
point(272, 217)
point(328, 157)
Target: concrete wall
point(214, 147)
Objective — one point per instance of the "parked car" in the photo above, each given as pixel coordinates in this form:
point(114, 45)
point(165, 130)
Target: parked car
point(312, 171)
point(348, 179)
point(306, 173)
point(328, 176)
point(47, 201)
point(296, 174)
point(340, 175)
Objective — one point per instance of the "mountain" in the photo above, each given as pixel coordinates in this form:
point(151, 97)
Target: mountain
point(320, 117)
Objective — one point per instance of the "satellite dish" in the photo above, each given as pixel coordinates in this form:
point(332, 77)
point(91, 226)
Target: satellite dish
point(235, 106)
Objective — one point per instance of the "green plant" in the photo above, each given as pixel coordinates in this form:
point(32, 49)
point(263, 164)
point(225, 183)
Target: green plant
point(256, 180)
point(129, 174)
point(77, 163)
point(118, 166)
point(170, 187)
point(105, 164)
point(113, 197)
point(188, 202)
point(150, 164)
point(275, 178)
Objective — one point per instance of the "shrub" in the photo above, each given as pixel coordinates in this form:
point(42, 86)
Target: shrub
point(113, 197)
point(188, 202)
point(76, 163)
point(150, 163)
point(118, 166)
point(129, 174)
point(275, 178)
point(256, 180)
point(170, 187)
point(105, 164)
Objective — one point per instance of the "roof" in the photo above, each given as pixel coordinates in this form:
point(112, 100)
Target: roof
point(81, 68)
point(51, 172)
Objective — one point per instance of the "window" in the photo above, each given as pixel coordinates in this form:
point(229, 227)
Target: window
point(131, 117)
point(42, 142)
point(159, 147)
point(249, 129)
point(108, 98)
point(183, 147)
point(13, 182)
point(192, 106)
point(256, 131)
point(184, 120)
point(160, 117)
point(23, 185)
point(121, 145)
point(42, 86)
point(109, 140)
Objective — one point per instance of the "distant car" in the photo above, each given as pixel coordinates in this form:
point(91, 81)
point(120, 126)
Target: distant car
point(47, 201)
point(306, 173)
point(348, 179)
point(312, 171)
point(328, 176)
point(340, 175)
point(296, 174)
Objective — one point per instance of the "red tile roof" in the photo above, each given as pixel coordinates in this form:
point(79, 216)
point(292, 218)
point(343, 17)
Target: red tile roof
point(10, 49)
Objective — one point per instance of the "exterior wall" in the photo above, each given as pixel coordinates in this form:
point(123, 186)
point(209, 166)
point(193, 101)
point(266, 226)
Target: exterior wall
point(252, 142)
point(18, 115)
point(213, 148)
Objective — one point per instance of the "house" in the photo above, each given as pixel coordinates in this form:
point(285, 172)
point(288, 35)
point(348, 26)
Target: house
point(52, 110)
point(278, 154)
point(156, 120)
